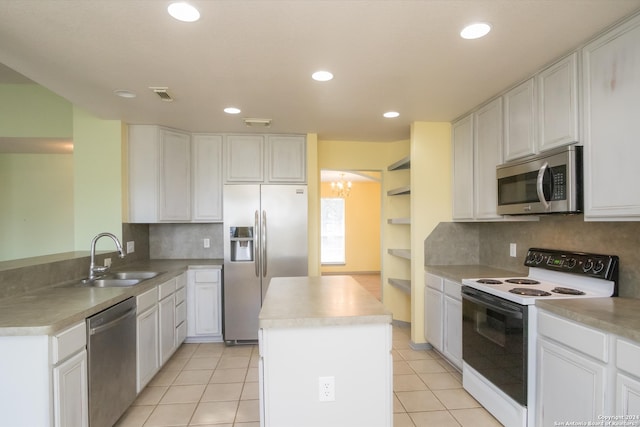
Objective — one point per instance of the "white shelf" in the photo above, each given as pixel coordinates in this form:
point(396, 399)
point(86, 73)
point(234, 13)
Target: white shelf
point(400, 253)
point(401, 221)
point(403, 163)
point(403, 284)
point(399, 191)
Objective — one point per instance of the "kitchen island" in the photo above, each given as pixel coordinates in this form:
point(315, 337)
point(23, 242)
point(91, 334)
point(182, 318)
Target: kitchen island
point(325, 354)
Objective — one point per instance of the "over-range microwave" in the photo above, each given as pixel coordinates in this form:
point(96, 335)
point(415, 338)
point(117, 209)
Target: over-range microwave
point(547, 183)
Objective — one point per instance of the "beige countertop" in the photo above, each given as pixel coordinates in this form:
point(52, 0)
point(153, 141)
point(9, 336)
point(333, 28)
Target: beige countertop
point(459, 272)
point(620, 316)
point(319, 301)
point(51, 309)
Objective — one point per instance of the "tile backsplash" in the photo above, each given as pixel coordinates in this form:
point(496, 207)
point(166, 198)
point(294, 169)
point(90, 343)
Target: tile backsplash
point(488, 243)
point(185, 241)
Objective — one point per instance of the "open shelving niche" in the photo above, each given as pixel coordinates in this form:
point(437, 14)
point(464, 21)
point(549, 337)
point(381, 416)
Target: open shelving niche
point(402, 284)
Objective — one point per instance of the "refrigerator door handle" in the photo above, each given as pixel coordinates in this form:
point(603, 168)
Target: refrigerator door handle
point(264, 243)
point(256, 243)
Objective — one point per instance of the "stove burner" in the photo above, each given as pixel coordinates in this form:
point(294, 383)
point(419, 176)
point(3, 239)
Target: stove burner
point(529, 292)
point(567, 291)
point(489, 281)
point(523, 281)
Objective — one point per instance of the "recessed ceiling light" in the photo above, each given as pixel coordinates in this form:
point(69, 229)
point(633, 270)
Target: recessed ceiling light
point(475, 31)
point(124, 93)
point(183, 12)
point(232, 110)
point(322, 76)
point(391, 114)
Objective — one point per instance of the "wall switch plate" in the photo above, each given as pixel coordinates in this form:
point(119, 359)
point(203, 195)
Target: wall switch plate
point(326, 389)
point(131, 247)
point(107, 262)
point(512, 249)
point(207, 243)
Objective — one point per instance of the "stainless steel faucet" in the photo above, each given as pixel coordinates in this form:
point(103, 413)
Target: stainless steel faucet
point(93, 268)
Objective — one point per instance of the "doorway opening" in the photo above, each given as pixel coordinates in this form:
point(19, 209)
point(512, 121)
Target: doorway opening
point(351, 226)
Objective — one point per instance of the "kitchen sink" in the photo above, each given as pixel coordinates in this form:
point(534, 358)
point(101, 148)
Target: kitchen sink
point(116, 279)
point(139, 275)
point(113, 283)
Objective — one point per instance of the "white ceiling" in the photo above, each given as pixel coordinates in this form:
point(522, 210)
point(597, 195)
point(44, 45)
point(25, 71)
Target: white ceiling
point(258, 55)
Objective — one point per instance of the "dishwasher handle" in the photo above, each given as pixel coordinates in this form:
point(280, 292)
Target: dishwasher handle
point(114, 322)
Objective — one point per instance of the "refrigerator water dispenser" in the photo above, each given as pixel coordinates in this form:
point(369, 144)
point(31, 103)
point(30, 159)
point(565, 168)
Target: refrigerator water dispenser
point(241, 244)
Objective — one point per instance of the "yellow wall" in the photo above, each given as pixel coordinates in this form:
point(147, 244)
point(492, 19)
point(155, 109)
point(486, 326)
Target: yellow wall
point(362, 227)
point(430, 204)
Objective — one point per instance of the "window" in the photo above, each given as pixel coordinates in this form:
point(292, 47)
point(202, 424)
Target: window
point(332, 231)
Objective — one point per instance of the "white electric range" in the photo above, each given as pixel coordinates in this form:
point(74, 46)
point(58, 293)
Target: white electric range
point(499, 325)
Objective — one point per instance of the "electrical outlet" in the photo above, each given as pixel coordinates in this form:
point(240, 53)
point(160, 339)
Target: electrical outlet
point(131, 247)
point(326, 389)
point(107, 262)
point(512, 249)
point(207, 242)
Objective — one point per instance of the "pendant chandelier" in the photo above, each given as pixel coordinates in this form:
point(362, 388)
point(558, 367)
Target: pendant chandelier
point(341, 188)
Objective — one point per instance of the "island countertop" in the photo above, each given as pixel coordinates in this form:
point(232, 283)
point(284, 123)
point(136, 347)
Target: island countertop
point(319, 301)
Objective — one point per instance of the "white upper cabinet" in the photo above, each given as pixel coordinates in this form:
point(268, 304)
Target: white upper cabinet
point(462, 142)
point(519, 121)
point(487, 155)
point(207, 178)
point(244, 158)
point(175, 176)
point(159, 174)
point(286, 160)
point(477, 150)
point(265, 158)
point(611, 71)
point(558, 104)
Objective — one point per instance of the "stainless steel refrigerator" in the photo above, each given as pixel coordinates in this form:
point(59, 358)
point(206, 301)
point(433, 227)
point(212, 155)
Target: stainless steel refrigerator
point(265, 236)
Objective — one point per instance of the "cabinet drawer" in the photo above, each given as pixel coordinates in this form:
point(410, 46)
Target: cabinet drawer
point(181, 312)
point(627, 357)
point(69, 341)
point(453, 289)
point(146, 300)
point(434, 282)
point(180, 295)
point(207, 276)
point(589, 341)
point(166, 289)
point(181, 281)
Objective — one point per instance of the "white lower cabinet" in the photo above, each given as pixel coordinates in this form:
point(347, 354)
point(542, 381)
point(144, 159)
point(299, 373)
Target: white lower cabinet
point(443, 317)
point(584, 373)
point(565, 372)
point(70, 392)
point(627, 378)
point(148, 359)
point(452, 343)
point(167, 333)
point(204, 307)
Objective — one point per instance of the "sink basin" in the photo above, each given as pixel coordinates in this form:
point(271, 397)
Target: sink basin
point(113, 283)
point(139, 275)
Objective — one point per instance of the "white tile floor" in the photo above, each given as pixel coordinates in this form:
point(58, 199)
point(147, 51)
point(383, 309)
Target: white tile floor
point(214, 385)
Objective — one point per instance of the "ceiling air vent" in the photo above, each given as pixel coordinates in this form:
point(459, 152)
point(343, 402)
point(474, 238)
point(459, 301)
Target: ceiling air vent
point(257, 122)
point(162, 93)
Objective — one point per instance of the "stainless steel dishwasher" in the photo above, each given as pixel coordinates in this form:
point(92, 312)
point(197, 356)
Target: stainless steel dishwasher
point(111, 348)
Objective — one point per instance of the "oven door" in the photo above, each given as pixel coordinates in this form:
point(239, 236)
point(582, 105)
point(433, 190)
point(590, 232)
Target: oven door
point(494, 341)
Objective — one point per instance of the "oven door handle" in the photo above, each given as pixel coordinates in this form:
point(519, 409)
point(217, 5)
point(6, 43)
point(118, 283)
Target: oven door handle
point(511, 313)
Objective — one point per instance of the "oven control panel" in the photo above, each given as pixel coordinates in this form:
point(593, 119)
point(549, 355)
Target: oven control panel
point(581, 263)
